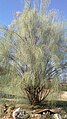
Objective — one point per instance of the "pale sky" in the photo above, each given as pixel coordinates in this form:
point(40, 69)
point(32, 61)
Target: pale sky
point(9, 7)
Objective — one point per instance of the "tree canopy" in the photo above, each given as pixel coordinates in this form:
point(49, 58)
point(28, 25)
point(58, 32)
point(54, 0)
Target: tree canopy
point(32, 47)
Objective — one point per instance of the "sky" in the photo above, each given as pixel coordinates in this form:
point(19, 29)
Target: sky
point(9, 7)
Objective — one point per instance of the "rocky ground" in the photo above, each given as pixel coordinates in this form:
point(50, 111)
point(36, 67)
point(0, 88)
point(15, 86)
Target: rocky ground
point(31, 114)
point(37, 113)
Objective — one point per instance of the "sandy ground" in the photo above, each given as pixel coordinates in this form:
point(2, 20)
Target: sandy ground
point(63, 96)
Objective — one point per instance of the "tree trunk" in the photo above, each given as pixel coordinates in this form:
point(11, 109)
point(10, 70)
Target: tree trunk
point(36, 97)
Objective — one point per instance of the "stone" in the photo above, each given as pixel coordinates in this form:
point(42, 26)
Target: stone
point(20, 114)
point(57, 116)
point(35, 116)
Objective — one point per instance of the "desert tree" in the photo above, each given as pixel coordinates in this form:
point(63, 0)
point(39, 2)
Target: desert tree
point(31, 47)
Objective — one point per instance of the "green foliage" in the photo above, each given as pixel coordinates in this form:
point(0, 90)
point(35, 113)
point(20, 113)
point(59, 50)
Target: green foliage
point(27, 47)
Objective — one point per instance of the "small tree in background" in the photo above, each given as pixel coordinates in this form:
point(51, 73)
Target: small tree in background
point(31, 47)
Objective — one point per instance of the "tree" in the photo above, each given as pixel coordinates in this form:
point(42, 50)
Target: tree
point(31, 45)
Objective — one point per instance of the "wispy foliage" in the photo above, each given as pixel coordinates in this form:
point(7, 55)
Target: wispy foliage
point(31, 45)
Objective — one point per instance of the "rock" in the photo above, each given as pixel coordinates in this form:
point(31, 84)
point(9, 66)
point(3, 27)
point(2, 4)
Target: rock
point(15, 113)
point(20, 114)
point(5, 108)
point(9, 112)
point(23, 115)
point(65, 116)
point(57, 116)
point(35, 116)
point(46, 114)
